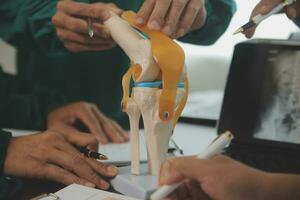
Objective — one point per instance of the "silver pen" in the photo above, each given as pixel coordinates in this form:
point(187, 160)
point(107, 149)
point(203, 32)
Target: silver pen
point(259, 18)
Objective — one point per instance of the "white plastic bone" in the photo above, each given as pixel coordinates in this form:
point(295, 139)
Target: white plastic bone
point(157, 132)
point(135, 46)
point(134, 115)
point(144, 101)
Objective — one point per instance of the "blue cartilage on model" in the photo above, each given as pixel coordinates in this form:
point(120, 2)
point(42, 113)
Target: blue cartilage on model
point(141, 33)
point(180, 85)
point(155, 84)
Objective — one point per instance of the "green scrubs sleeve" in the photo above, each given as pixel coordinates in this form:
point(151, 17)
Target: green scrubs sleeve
point(4, 142)
point(219, 13)
point(27, 23)
point(24, 105)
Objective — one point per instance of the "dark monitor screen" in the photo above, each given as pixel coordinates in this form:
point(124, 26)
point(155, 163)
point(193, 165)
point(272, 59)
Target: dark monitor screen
point(262, 95)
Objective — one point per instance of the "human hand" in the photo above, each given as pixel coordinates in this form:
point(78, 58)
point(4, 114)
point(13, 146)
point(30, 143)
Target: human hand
point(218, 178)
point(174, 17)
point(71, 25)
point(66, 118)
point(52, 155)
point(265, 6)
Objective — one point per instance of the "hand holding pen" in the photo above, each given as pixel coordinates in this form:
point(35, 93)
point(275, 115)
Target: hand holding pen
point(265, 9)
point(215, 148)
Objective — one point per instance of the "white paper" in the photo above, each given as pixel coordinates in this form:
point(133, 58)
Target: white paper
point(79, 192)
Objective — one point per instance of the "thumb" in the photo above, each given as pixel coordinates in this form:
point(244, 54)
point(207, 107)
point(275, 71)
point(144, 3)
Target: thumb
point(177, 169)
point(263, 7)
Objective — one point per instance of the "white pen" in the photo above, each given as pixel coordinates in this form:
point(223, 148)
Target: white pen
point(216, 147)
point(259, 18)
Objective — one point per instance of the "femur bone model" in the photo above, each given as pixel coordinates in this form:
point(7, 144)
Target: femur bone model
point(160, 88)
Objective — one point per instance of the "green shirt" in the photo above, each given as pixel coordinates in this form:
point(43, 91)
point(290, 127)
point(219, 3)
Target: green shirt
point(24, 105)
point(4, 141)
point(88, 76)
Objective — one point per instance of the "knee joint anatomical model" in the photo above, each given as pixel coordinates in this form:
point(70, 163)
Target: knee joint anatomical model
point(160, 87)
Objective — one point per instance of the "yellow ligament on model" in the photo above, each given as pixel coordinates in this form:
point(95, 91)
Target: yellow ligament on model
point(170, 58)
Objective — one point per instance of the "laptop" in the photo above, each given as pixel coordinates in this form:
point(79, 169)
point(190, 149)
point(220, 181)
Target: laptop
point(262, 105)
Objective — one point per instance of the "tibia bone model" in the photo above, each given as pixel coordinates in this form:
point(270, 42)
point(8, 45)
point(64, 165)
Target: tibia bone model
point(160, 90)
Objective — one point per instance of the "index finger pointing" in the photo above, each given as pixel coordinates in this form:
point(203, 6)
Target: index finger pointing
point(157, 18)
point(145, 12)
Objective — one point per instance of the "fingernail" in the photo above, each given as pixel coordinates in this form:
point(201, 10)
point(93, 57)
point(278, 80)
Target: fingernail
point(104, 185)
point(265, 9)
point(106, 15)
point(167, 30)
point(180, 33)
point(122, 138)
point(140, 21)
point(112, 170)
point(102, 140)
point(154, 25)
point(91, 185)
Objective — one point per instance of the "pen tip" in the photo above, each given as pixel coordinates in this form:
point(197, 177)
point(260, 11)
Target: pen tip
point(239, 30)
